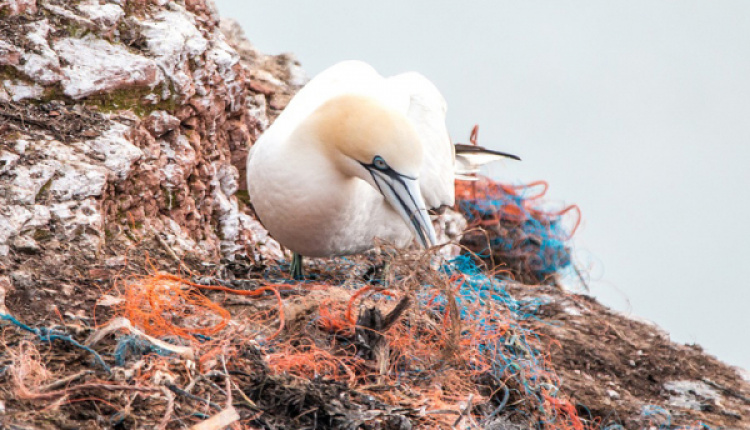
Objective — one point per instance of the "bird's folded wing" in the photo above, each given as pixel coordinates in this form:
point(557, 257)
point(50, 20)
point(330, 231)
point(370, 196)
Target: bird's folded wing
point(426, 111)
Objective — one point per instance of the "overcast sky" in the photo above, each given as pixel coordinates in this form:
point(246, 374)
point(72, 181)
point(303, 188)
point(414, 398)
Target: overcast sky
point(637, 111)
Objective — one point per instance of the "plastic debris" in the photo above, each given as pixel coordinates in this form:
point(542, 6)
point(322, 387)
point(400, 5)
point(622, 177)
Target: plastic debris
point(218, 421)
point(511, 232)
point(49, 335)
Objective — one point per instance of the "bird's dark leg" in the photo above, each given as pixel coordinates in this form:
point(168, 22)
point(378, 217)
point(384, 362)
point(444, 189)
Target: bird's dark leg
point(296, 268)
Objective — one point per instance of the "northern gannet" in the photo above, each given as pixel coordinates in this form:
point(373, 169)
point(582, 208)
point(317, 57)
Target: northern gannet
point(353, 159)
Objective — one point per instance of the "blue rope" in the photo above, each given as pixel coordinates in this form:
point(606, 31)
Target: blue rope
point(512, 355)
point(47, 335)
point(657, 411)
point(134, 346)
point(666, 424)
point(548, 246)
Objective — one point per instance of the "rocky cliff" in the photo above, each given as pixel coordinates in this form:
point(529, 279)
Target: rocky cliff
point(128, 119)
point(124, 130)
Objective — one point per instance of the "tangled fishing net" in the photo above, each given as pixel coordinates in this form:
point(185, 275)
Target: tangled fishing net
point(509, 230)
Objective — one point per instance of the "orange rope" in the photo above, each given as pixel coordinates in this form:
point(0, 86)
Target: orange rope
point(485, 188)
point(474, 135)
point(158, 304)
point(251, 293)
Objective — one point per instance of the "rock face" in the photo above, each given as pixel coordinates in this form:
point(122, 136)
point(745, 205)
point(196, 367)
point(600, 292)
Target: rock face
point(124, 119)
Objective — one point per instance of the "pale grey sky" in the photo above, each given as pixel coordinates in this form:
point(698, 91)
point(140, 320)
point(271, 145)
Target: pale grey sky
point(637, 111)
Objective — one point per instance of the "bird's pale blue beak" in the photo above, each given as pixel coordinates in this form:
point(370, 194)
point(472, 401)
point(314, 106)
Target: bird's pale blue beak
point(404, 195)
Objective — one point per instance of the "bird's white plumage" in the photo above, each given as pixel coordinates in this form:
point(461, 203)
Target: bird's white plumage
point(299, 190)
point(347, 77)
point(426, 111)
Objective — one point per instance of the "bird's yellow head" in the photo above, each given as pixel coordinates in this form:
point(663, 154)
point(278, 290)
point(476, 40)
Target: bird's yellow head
point(368, 140)
point(365, 131)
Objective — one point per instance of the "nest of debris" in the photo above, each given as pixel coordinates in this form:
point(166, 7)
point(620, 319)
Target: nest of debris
point(388, 340)
point(425, 345)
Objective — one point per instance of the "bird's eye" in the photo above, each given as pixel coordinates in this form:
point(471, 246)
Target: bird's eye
point(379, 163)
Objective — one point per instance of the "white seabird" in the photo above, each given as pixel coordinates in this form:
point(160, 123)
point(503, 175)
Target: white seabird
point(353, 159)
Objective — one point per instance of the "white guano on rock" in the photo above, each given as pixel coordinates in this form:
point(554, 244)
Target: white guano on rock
point(95, 66)
point(173, 39)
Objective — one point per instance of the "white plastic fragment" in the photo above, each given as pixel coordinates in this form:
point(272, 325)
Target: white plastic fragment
point(108, 300)
point(121, 323)
point(218, 421)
